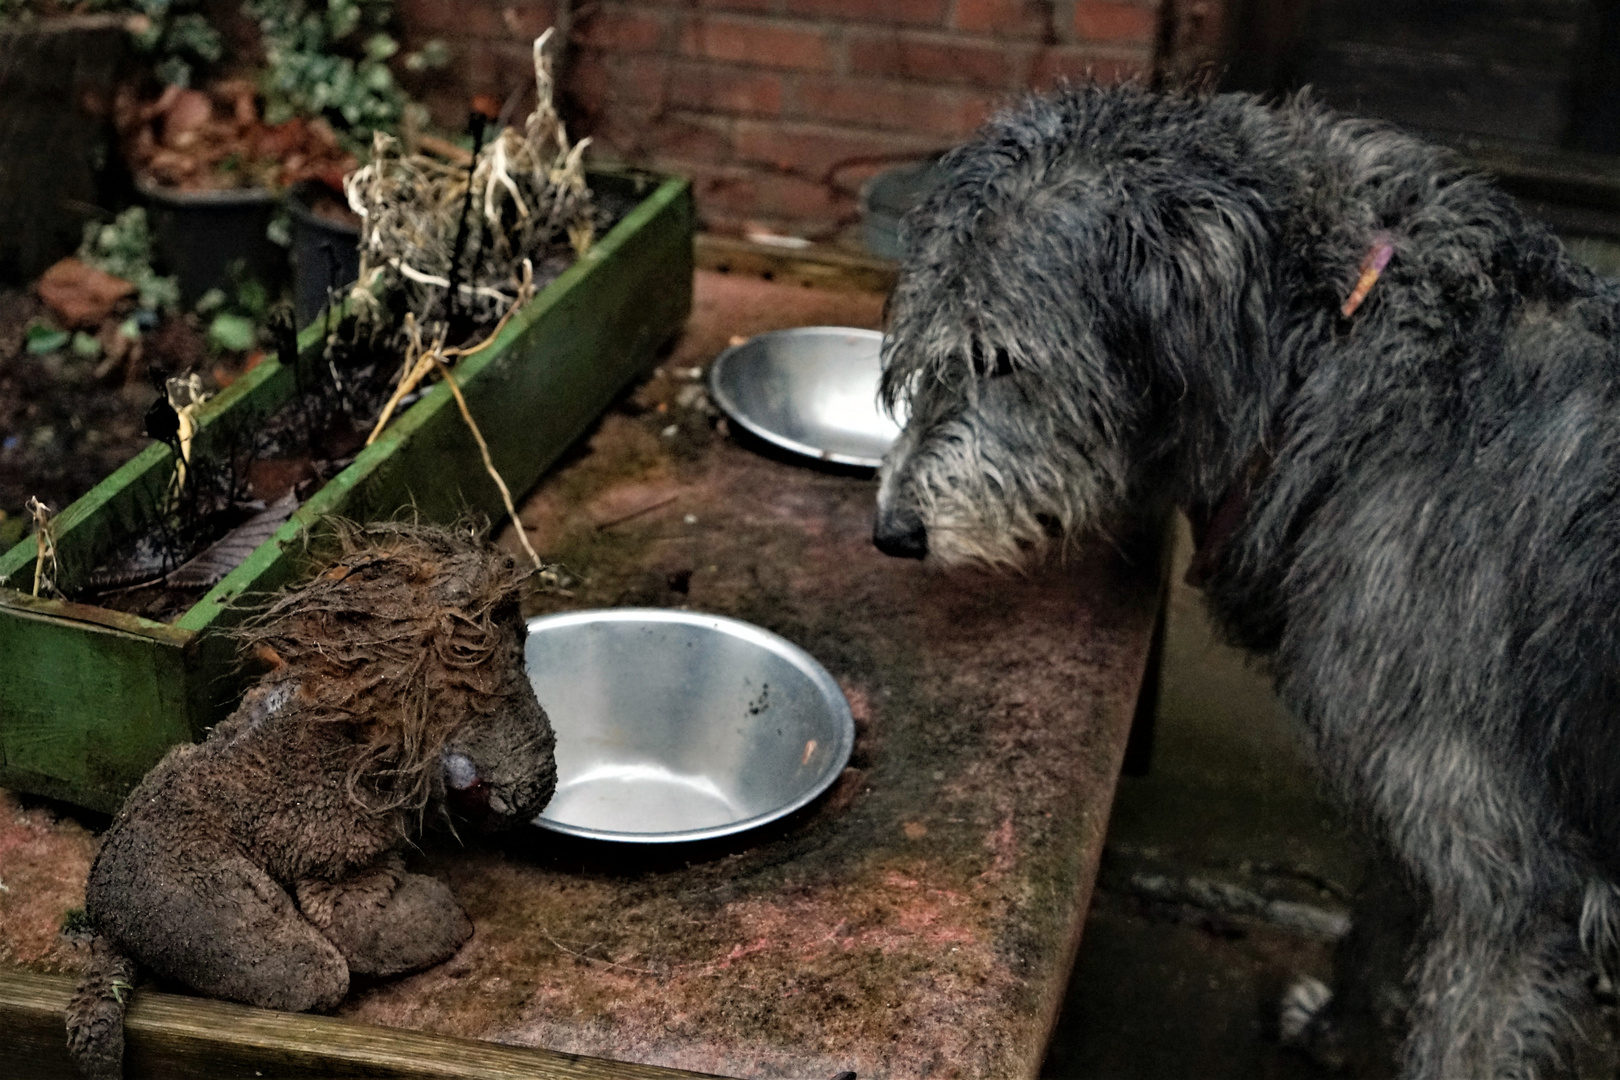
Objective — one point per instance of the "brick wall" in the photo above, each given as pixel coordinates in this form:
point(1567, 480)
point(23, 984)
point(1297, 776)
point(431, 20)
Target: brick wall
point(779, 109)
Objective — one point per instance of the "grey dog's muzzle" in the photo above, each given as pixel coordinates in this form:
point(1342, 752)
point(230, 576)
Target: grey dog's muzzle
point(897, 530)
point(900, 533)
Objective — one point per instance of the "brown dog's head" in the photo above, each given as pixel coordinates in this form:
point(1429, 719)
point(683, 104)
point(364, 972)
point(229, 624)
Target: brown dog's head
point(412, 637)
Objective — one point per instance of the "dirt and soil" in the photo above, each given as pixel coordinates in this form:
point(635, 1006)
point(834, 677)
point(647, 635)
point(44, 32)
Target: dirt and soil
point(68, 420)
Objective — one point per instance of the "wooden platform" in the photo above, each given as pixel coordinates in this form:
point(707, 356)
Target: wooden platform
point(918, 921)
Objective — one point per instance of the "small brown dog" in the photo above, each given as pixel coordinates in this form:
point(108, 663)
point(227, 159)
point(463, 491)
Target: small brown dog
point(263, 864)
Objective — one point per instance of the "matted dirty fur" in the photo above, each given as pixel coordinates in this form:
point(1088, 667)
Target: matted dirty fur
point(1119, 297)
point(263, 865)
point(404, 632)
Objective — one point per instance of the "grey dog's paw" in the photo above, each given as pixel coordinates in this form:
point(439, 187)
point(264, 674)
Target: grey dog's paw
point(1305, 1021)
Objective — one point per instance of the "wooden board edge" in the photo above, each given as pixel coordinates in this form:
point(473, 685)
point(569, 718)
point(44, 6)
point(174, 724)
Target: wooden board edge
point(22, 605)
point(99, 800)
point(814, 267)
point(174, 1037)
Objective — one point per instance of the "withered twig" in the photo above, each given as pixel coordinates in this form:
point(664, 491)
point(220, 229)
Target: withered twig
point(489, 464)
point(44, 543)
point(633, 514)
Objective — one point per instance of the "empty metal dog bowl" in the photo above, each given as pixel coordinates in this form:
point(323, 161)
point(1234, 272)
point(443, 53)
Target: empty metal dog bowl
point(674, 726)
point(812, 390)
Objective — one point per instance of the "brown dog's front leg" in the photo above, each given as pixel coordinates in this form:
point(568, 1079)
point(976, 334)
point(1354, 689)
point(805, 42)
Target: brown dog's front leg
point(386, 921)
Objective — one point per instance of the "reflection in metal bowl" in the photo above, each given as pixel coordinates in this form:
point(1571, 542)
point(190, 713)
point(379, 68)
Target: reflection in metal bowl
point(811, 390)
point(674, 725)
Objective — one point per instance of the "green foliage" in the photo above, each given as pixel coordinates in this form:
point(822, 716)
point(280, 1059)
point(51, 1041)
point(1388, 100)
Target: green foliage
point(178, 36)
point(43, 339)
point(235, 333)
point(435, 54)
point(75, 922)
point(329, 59)
point(174, 33)
point(238, 315)
point(86, 346)
point(123, 249)
point(12, 530)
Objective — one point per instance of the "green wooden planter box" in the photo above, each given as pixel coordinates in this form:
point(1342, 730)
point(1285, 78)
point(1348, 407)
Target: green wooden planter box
point(91, 698)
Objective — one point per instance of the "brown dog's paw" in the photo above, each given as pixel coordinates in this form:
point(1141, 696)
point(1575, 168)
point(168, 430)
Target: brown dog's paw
point(418, 925)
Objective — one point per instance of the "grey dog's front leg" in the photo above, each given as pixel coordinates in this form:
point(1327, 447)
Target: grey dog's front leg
point(1497, 972)
point(1495, 1001)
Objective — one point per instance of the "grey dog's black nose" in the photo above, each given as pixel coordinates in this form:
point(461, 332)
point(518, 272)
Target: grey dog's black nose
point(901, 536)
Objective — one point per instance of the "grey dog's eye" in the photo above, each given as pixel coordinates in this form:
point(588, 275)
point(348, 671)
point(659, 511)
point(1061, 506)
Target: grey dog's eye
point(1000, 363)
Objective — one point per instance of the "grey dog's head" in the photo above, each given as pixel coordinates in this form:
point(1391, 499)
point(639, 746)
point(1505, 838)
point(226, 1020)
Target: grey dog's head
point(1071, 287)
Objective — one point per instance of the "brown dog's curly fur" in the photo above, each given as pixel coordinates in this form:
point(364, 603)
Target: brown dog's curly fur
point(262, 865)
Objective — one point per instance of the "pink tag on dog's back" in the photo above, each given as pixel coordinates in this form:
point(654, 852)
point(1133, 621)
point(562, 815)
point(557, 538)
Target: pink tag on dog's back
point(1371, 266)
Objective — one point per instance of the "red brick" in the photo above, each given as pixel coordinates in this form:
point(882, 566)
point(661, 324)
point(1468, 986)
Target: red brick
point(711, 88)
point(475, 70)
point(750, 194)
point(932, 59)
point(747, 41)
point(695, 7)
point(689, 137)
point(738, 199)
point(721, 187)
point(907, 106)
point(1108, 20)
point(462, 18)
point(1004, 18)
point(609, 79)
point(512, 72)
point(620, 28)
point(894, 12)
point(793, 197)
point(818, 151)
point(528, 19)
point(643, 137)
point(1069, 63)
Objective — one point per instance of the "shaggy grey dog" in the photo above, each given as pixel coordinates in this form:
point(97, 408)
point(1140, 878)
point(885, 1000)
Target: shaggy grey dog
point(1410, 506)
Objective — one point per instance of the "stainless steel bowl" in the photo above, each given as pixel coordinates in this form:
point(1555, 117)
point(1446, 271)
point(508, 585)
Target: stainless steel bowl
point(673, 725)
point(811, 390)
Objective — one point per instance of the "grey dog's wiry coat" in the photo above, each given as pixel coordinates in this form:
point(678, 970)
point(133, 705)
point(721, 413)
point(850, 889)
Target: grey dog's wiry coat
point(1118, 296)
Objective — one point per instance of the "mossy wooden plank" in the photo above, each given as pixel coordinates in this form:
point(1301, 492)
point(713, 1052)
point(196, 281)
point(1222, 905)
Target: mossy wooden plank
point(171, 1037)
point(814, 268)
point(86, 708)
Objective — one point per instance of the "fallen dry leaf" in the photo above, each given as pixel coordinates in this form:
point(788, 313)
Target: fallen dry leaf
point(79, 294)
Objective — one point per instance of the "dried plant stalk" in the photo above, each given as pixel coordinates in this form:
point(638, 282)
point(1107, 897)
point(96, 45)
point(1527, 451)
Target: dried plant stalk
point(45, 545)
point(489, 463)
point(529, 200)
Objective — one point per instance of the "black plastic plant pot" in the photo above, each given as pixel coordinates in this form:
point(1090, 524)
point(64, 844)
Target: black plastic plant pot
point(214, 239)
point(887, 198)
point(325, 254)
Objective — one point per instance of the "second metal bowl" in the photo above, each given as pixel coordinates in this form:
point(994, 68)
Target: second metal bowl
point(674, 726)
point(812, 390)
